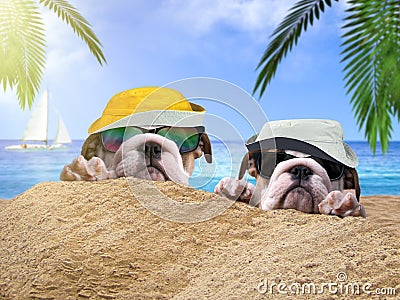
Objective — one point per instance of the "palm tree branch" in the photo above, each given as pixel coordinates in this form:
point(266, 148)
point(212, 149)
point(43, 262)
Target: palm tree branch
point(70, 15)
point(285, 36)
point(371, 44)
point(22, 41)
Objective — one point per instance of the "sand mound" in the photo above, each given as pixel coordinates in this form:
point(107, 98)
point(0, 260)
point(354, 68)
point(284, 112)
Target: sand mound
point(95, 240)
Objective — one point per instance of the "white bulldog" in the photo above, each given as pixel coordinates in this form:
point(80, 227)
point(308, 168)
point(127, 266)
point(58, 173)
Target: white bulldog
point(300, 183)
point(147, 156)
point(295, 180)
point(119, 146)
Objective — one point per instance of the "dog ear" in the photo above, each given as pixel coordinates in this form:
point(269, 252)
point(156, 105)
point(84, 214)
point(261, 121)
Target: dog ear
point(244, 166)
point(206, 147)
point(351, 181)
point(248, 164)
point(90, 146)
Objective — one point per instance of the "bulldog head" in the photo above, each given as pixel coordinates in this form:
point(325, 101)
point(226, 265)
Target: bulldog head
point(296, 180)
point(150, 133)
point(150, 155)
point(300, 164)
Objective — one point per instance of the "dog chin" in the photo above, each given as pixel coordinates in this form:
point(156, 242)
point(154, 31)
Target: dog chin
point(299, 198)
point(156, 174)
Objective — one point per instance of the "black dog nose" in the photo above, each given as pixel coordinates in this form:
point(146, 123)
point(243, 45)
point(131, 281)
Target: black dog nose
point(152, 150)
point(300, 172)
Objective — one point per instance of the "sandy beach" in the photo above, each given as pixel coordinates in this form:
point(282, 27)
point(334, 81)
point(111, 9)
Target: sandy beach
point(81, 240)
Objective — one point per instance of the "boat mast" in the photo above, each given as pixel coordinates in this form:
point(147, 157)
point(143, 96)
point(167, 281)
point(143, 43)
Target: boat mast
point(47, 117)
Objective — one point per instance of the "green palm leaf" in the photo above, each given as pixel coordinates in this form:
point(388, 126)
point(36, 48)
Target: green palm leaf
point(371, 54)
point(79, 25)
point(22, 41)
point(286, 36)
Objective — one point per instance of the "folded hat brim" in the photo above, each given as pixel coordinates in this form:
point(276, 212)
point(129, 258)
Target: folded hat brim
point(155, 118)
point(337, 152)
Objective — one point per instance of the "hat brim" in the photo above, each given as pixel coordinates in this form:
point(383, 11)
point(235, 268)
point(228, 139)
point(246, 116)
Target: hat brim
point(154, 118)
point(337, 152)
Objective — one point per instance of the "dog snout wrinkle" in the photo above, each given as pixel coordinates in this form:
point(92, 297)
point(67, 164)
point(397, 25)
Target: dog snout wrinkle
point(301, 172)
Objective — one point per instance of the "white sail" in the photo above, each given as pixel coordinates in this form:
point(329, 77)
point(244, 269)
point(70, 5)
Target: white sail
point(36, 129)
point(62, 135)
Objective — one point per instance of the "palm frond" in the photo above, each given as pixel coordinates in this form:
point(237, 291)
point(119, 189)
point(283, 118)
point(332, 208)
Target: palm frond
point(286, 36)
point(22, 44)
point(371, 56)
point(70, 15)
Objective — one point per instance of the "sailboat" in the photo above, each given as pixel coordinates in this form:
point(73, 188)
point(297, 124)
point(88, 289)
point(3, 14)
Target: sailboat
point(37, 129)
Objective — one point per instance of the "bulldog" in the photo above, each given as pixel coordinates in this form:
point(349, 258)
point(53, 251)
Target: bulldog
point(118, 147)
point(291, 179)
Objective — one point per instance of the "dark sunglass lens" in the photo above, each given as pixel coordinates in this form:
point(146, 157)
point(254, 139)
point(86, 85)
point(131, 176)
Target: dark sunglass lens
point(334, 170)
point(280, 157)
point(265, 163)
point(190, 143)
point(257, 160)
point(187, 139)
point(113, 138)
point(132, 131)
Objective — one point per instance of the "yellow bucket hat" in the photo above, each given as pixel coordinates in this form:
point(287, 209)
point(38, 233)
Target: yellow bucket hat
point(148, 106)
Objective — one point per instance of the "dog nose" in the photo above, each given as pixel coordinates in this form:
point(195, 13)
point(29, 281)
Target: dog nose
point(300, 172)
point(152, 150)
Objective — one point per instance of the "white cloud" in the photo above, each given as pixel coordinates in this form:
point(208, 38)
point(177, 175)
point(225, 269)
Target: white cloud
point(200, 16)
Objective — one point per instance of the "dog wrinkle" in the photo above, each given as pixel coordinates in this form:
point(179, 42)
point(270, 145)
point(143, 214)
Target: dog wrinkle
point(130, 165)
point(299, 198)
point(315, 167)
point(131, 159)
point(157, 174)
point(295, 195)
point(285, 191)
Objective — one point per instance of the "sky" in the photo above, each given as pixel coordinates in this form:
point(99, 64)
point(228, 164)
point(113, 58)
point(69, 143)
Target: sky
point(156, 43)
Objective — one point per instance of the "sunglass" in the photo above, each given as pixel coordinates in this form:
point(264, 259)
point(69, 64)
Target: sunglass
point(186, 138)
point(266, 163)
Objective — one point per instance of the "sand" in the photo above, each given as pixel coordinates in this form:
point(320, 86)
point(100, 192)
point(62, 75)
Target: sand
point(81, 240)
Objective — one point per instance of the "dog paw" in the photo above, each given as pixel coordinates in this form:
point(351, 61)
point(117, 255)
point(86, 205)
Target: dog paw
point(336, 203)
point(87, 170)
point(234, 189)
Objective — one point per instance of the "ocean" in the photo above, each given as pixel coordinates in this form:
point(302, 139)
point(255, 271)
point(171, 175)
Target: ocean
point(20, 170)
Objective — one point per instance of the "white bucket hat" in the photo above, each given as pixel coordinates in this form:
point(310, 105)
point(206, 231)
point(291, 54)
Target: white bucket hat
point(320, 138)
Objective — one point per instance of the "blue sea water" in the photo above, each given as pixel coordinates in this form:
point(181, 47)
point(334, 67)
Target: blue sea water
point(20, 170)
